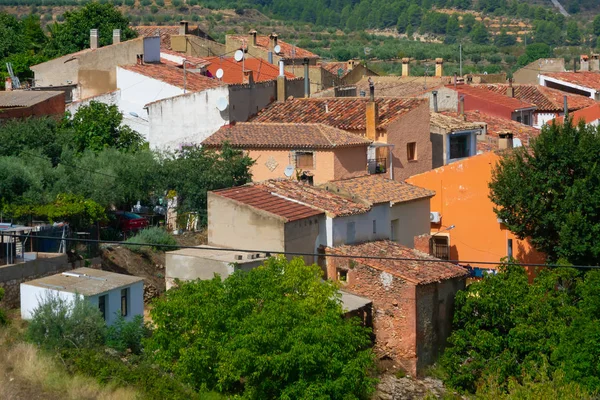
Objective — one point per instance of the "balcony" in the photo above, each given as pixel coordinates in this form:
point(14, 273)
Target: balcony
point(377, 165)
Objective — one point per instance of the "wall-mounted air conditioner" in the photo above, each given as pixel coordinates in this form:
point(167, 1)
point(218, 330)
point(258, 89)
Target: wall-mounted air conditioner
point(435, 217)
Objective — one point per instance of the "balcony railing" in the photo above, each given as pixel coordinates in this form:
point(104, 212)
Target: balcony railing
point(377, 165)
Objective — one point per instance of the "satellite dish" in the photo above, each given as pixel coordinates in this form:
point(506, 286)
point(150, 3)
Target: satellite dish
point(238, 55)
point(277, 49)
point(219, 73)
point(289, 171)
point(222, 104)
point(517, 142)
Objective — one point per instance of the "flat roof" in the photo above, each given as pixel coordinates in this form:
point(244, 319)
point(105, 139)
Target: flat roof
point(352, 302)
point(219, 254)
point(85, 281)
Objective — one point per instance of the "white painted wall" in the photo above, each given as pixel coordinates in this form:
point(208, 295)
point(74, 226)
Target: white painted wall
point(592, 93)
point(544, 118)
point(186, 119)
point(32, 296)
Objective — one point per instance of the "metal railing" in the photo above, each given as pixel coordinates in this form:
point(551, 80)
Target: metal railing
point(377, 165)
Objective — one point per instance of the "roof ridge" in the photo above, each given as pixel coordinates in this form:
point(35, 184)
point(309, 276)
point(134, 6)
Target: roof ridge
point(322, 130)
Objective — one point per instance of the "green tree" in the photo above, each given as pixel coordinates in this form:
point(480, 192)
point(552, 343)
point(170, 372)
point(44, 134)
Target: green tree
point(534, 52)
point(480, 34)
point(503, 39)
point(573, 33)
point(453, 26)
point(549, 192)
point(34, 135)
point(468, 21)
point(274, 332)
point(596, 25)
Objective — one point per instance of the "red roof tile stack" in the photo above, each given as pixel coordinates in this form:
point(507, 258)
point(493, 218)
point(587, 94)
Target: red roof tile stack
point(174, 76)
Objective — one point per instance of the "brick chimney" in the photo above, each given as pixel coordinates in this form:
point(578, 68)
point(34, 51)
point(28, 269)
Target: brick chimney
point(281, 83)
point(272, 41)
point(252, 35)
point(183, 27)
point(8, 84)
point(248, 77)
point(595, 63)
point(372, 113)
point(93, 38)
point(505, 141)
point(405, 66)
point(510, 90)
point(461, 107)
point(116, 36)
point(439, 67)
point(584, 62)
point(350, 65)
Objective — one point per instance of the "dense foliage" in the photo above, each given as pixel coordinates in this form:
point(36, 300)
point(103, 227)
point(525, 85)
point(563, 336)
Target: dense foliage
point(550, 192)
point(506, 330)
point(3, 319)
point(157, 239)
point(274, 332)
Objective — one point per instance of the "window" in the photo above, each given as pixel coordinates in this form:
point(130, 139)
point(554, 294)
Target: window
point(374, 226)
point(305, 159)
point(519, 119)
point(342, 275)
point(411, 151)
point(526, 119)
point(439, 247)
point(460, 146)
point(509, 246)
point(124, 301)
point(350, 232)
point(102, 306)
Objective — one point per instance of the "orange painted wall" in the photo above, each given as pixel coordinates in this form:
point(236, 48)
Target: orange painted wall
point(462, 199)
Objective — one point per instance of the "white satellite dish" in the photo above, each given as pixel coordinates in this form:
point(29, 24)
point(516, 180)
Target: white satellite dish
point(289, 171)
point(239, 55)
point(219, 73)
point(277, 49)
point(222, 104)
point(517, 142)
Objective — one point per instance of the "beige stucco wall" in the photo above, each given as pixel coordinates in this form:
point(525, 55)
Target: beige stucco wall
point(233, 224)
point(302, 237)
point(349, 162)
point(196, 46)
point(447, 99)
point(530, 73)
point(409, 220)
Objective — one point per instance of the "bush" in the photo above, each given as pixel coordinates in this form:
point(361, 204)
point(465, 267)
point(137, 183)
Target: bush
point(3, 319)
point(59, 323)
point(125, 335)
point(154, 236)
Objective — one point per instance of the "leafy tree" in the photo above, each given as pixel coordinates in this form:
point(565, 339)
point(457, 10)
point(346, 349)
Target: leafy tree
point(534, 52)
point(480, 34)
point(573, 33)
point(452, 26)
point(549, 193)
point(468, 21)
point(10, 36)
point(274, 332)
point(504, 39)
point(125, 335)
point(37, 135)
point(596, 25)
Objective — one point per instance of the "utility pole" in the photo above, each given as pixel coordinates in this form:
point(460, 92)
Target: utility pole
point(460, 57)
point(184, 76)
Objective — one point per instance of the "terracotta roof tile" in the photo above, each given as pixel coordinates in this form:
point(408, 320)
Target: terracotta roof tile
point(341, 112)
point(282, 135)
point(452, 124)
point(544, 98)
point(582, 78)
point(288, 51)
point(419, 273)
point(174, 76)
point(165, 33)
point(256, 197)
point(376, 189)
point(588, 115)
point(26, 98)
point(492, 97)
point(261, 69)
point(176, 58)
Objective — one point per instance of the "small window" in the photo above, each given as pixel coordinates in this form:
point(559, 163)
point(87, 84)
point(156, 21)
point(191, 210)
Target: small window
point(304, 159)
point(374, 226)
point(526, 119)
point(342, 275)
point(411, 151)
point(460, 146)
point(519, 119)
point(102, 306)
point(124, 301)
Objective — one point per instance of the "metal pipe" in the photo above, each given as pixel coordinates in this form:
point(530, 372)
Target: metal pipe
point(435, 103)
point(306, 79)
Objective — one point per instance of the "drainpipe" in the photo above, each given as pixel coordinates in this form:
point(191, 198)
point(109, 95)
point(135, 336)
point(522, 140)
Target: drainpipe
point(306, 79)
point(566, 107)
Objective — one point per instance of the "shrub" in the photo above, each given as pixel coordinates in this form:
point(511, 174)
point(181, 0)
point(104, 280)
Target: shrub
point(176, 3)
point(125, 335)
point(154, 236)
point(60, 323)
point(3, 319)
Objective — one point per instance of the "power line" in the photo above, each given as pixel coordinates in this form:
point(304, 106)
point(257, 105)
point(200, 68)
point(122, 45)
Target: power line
point(292, 253)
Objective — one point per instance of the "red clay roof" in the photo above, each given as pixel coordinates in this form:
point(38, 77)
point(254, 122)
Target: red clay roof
point(288, 51)
point(411, 270)
point(261, 69)
point(176, 58)
point(485, 95)
point(284, 136)
point(165, 33)
point(588, 115)
point(346, 113)
point(582, 78)
point(256, 197)
point(174, 76)
point(544, 98)
point(376, 189)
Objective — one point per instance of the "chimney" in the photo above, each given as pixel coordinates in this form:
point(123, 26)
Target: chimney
point(116, 36)
point(584, 63)
point(405, 66)
point(439, 67)
point(272, 41)
point(183, 28)
point(248, 77)
point(510, 90)
point(505, 141)
point(435, 103)
point(253, 34)
point(566, 107)
point(93, 38)
point(595, 63)
point(8, 84)
point(306, 79)
point(350, 65)
point(574, 64)
point(372, 113)
point(461, 106)
point(281, 83)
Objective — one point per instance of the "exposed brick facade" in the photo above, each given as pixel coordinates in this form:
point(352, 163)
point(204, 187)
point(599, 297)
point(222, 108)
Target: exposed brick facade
point(54, 106)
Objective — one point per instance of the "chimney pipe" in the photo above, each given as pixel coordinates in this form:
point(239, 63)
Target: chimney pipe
point(272, 41)
point(405, 66)
point(584, 62)
point(248, 77)
point(566, 107)
point(461, 101)
point(435, 103)
point(510, 91)
point(253, 34)
point(306, 79)
point(439, 67)
point(371, 90)
point(93, 38)
point(372, 114)
point(505, 141)
point(116, 36)
point(183, 28)
point(270, 57)
point(281, 83)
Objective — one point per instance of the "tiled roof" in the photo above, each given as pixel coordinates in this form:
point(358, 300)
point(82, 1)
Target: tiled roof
point(261, 69)
point(582, 78)
point(315, 197)
point(282, 135)
point(485, 95)
point(342, 112)
point(165, 33)
point(261, 199)
point(418, 273)
point(544, 98)
point(452, 124)
point(176, 58)
point(288, 51)
point(25, 98)
point(588, 115)
point(376, 189)
point(401, 86)
point(174, 76)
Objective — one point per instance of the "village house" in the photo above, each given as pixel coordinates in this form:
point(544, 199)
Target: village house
point(413, 298)
point(408, 204)
point(452, 138)
point(349, 72)
point(193, 42)
point(584, 83)
point(114, 294)
point(321, 152)
point(529, 74)
point(398, 127)
point(31, 103)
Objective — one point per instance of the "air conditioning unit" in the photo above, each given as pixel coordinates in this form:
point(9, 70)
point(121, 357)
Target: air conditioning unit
point(435, 217)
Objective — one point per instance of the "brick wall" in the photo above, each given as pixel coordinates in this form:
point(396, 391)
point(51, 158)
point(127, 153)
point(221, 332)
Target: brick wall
point(52, 106)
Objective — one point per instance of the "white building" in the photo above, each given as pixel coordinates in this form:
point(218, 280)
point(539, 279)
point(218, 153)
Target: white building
point(114, 294)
